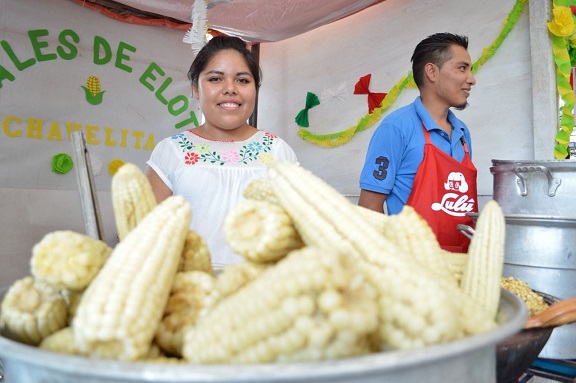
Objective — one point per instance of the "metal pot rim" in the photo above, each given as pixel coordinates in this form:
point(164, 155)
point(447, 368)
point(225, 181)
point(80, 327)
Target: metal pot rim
point(524, 162)
point(512, 317)
point(532, 218)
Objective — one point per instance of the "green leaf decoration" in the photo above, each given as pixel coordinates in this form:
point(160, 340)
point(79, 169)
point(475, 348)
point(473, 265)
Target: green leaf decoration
point(560, 151)
point(563, 137)
point(94, 99)
point(572, 54)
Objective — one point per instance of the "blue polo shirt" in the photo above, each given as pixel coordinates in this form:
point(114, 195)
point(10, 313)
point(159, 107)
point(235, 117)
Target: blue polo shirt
point(396, 150)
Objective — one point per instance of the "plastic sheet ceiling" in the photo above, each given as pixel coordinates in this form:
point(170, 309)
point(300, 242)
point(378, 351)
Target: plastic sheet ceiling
point(258, 20)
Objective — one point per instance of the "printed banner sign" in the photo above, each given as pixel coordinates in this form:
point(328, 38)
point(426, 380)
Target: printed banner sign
point(65, 68)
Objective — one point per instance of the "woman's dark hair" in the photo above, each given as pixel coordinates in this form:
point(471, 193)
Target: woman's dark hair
point(434, 49)
point(214, 46)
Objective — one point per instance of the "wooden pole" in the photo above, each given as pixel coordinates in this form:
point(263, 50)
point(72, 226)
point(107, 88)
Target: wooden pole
point(253, 120)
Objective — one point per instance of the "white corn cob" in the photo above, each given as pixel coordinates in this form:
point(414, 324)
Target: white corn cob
point(260, 231)
point(456, 263)
point(62, 341)
point(379, 221)
point(481, 278)
point(132, 198)
point(413, 236)
point(122, 308)
point(408, 324)
point(260, 189)
point(72, 298)
point(312, 305)
point(153, 352)
point(327, 219)
point(192, 293)
point(68, 259)
point(235, 276)
point(195, 255)
point(32, 310)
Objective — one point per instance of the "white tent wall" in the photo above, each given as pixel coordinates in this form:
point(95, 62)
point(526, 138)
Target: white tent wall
point(380, 41)
point(326, 61)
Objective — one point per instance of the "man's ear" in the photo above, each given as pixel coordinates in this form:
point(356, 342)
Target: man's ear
point(431, 71)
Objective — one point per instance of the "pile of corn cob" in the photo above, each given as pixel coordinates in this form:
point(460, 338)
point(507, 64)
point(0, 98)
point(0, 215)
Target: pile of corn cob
point(322, 279)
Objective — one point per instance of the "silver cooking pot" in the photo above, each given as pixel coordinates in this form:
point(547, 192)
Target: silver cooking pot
point(537, 199)
point(535, 187)
point(470, 360)
point(541, 251)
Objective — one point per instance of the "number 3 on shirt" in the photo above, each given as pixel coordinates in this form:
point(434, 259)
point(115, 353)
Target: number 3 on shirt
point(382, 163)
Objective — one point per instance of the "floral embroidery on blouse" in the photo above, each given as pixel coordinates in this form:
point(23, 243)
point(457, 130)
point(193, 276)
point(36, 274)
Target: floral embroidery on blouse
point(202, 152)
point(265, 158)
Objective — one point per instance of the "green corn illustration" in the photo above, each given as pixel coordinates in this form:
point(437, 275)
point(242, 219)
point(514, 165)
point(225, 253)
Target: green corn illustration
point(93, 90)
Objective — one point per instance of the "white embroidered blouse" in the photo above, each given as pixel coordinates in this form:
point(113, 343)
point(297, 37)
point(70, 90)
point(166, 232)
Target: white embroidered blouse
point(212, 175)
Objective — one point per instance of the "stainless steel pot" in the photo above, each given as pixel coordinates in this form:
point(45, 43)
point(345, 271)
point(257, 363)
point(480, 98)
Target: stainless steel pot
point(537, 197)
point(535, 187)
point(470, 360)
point(541, 251)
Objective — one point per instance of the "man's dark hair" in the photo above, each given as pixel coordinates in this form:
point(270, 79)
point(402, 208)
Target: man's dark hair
point(434, 49)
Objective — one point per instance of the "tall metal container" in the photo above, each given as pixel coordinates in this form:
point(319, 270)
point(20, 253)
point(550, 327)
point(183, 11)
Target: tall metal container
point(537, 198)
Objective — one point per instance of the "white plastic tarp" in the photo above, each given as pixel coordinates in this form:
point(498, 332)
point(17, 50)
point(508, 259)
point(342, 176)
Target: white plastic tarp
point(258, 20)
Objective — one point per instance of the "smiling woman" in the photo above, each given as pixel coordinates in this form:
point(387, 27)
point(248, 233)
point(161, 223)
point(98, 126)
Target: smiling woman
point(211, 165)
point(226, 87)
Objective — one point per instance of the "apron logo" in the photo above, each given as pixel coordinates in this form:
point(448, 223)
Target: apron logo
point(454, 205)
point(457, 182)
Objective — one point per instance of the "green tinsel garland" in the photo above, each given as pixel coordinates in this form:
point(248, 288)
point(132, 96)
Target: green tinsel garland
point(340, 138)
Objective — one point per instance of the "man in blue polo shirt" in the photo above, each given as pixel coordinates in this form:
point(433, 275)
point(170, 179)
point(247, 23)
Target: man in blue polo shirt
point(420, 154)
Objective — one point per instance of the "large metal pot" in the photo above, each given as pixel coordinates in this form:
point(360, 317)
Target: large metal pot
point(470, 360)
point(541, 251)
point(537, 199)
point(535, 187)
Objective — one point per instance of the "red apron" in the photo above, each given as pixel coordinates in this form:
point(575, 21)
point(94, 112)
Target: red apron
point(444, 191)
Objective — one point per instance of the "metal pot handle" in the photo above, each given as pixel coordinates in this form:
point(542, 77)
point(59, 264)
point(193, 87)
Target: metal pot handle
point(553, 183)
point(468, 231)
